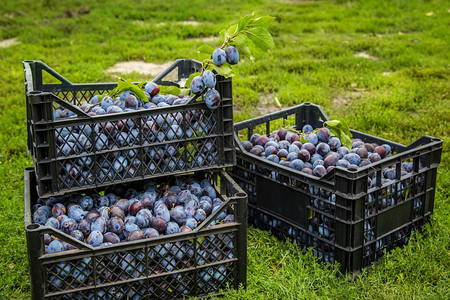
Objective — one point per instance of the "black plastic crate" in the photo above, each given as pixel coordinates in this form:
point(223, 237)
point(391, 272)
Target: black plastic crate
point(143, 269)
point(205, 140)
point(339, 215)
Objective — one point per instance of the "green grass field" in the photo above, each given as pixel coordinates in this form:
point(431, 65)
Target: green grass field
point(382, 66)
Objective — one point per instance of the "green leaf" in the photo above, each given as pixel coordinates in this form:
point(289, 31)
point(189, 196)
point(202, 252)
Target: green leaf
point(141, 84)
point(169, 89)
point(224, 70)
point(262, 22)
point(205, 49)
point(127, 85)
point(244, 51)
point(331, 123)
point(341, 126)
point(231, 31)
point(244, 21)
point(346, 141)
point(139, 93)
point(260, 37)
point(205, 52)
point(188, 82)
point(203, 56)
point(185, 91)
point(239, 40)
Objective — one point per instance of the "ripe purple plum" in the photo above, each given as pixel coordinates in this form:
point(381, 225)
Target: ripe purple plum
point(115, 225)
point(232, 55)
point(219, 57)
point(150, 233)
point(304, 155)
point(296, 164)
point(135, 207)
point(381, 151)
point(324, 134)
point(135, 235)
point(111, 237)
point(58, 209)
point(310, 147)
point(319, 171)
point(151, 88)
point(159, 224)
point(116, 211)
point(212, 99)
point(95, 238)
point(98, 224)
point(282, 133)
point(197, 85)
point(322, 148)
point(209, 79)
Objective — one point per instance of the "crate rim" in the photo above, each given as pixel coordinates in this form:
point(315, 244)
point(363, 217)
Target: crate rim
point(433, 142)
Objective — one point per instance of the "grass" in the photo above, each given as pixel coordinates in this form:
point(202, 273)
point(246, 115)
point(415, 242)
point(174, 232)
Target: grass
point(400, 92)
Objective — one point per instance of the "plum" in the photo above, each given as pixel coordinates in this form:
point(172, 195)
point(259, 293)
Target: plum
point(98, 224)
point(310, 147)
point(232, 55)
point(159, 224)
point(324, 134)
point(381, 151)
point(219, 57)
point(85, 227)
point(55, 246)
point(334, 143)
point(331, 159)
point(115, 225)
point(319, 171)
point(172, 228)
point(352, 158)
point(106, 102)
point(135, 207)
point(150, 233)
point(197, 85)
point(304, 155)
point(135, 235)
point(212, 99)
point(95, 238)
point(296, 164)
point(282, 133)
point(111, 237)
point(322, 148)
point(151, 88)
point(209, 79)
point(116, 211)
point(68, 225)
point(307, 128)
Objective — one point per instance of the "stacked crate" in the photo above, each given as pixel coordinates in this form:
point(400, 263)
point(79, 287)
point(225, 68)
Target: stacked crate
point(199, 151)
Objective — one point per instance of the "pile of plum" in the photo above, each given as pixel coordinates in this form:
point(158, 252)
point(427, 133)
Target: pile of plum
point(109, 219)
point(123, 137)
point(156, 211)
point(319, 155)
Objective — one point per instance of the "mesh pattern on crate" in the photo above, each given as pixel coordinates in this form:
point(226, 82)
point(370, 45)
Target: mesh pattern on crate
point(168, 265)
point(320, 232)
point(125, 149)
point(323, 247)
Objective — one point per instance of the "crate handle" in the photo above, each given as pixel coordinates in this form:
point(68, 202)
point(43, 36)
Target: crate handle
point(33, 75)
